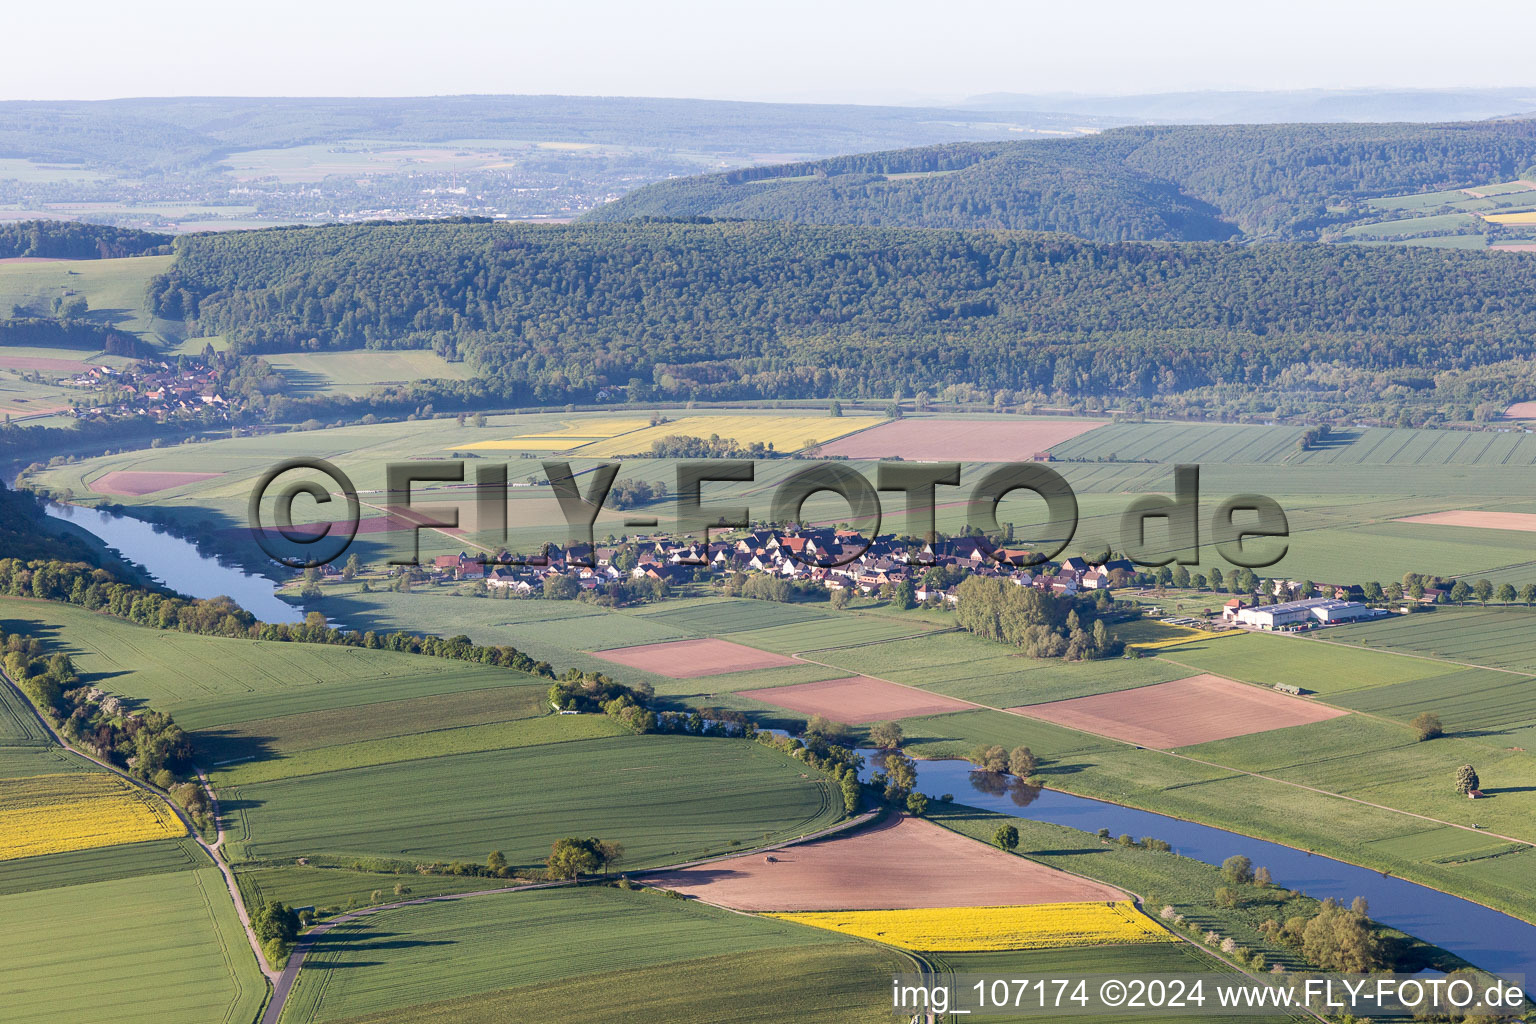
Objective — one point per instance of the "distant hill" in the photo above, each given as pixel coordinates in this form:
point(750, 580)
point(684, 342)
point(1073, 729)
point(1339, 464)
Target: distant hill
point(1289, 106)
point(1188, 183)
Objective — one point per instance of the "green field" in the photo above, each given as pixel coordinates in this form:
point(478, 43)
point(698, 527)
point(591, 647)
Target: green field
point(164, 948)
point(1495, 637)
point(441, 951)
point(666, 798)
point(356, 373)
point(206, 682)
point(1298, 661)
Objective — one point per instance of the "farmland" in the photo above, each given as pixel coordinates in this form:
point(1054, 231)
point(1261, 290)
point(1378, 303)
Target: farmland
point(949, 440)
point(454, 950)
point(922, 865)
point(167, 946)
point(665, 798)
point(975, 929)
point(42, 814)
point(781, 433)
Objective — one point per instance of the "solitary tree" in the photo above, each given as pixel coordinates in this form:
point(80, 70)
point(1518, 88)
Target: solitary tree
point(573, 857)
point(1466, 780)
point(1006, 837)
point(917, 805)
point(1237, 869)
point(496, 862)
point(886, 735)
point(1427, 725)
point(1022, 762)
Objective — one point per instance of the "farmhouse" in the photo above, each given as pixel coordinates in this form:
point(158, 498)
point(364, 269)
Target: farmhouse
point(1326, 610)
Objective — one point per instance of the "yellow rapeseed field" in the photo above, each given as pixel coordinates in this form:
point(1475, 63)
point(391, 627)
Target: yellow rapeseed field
point(785, 433)
point(1510, 218)
point(966, 929)
point(77, 811)
point(1194, 635)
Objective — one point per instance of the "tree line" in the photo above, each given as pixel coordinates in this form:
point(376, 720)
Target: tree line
point(76, 240)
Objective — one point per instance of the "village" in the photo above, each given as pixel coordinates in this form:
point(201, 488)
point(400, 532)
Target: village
point(158, 391)
point(796, 562)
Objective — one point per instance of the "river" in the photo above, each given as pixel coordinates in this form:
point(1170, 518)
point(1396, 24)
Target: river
point(177, 563)
point(1487, 938)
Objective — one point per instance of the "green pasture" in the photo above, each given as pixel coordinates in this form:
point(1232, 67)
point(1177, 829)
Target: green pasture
point(448, 951)
point(666, 798)
point(164, 948)
point(1422, 200)
point(835, 631)
point(1499, 705)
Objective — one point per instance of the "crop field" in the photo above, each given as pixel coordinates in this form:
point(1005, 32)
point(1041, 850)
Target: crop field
point(1528, 217)
point(358, 372)
point(690, 659)
point(1520, 522)
point(856, 701)
point(959, 929)
point(1495, 637)
point(442, 951)
point(1411, 226)
point(1299, 661)
point(974, 669)
point(166, 948)
point(729, 615)
point(18, 722)
point(125, 483)
point(99, 864)
point(290, 734)
point(1468, 700)
point(663, 797)
point(300, 885)
point(213, 681)
point(921, 865)
point(1004, 439)
point(1182, 442)
point(828, 633)
point(1181, 712)
point(471, 739)
point(783, 433)
point(573, 434)
point(831, 983)
point(76, 811)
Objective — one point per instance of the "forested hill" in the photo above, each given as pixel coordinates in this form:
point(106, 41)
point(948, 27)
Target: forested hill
point(555, 313)
point(1159, 183)
point(58, 239)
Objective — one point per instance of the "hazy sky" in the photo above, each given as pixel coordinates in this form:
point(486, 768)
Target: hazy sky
point(826, 50)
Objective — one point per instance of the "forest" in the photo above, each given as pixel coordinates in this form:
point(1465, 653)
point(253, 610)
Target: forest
point(696, 310)
point(70, 240)
point(1179, 183)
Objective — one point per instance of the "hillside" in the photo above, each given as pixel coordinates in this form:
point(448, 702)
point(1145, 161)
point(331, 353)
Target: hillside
point(549, 314)
point(1183, 183)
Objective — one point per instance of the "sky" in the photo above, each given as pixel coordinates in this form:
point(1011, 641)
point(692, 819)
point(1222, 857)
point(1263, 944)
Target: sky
point(856, 51)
